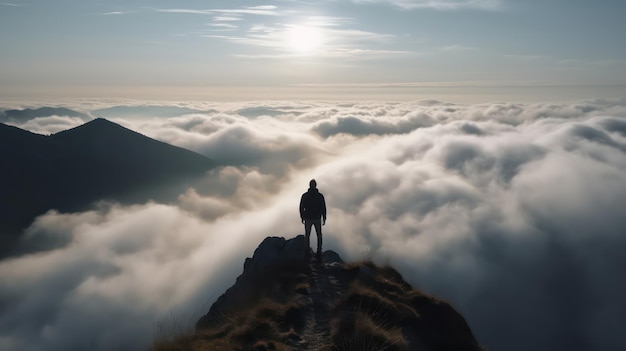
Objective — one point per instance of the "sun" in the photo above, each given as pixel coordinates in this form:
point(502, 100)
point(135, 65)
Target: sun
point(304, 39)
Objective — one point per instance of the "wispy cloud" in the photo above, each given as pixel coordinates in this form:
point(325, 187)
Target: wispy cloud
point(337, 42)
point(222, 26)
point(262, 7)
point(439, 4)
point(114, 13)
point(189, 11)
point(346, 36)
point(226, 18)
point(346, 54)
point(10, 4)
point(270, 28)
point(267, 10)
point(367, 54)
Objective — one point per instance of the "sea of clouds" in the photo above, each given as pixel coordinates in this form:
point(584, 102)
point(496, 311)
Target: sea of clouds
point(512, 212)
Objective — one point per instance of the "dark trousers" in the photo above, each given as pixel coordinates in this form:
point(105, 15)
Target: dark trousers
point(318, 230)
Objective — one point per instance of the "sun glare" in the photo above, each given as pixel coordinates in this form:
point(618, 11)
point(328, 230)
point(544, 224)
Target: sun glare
point(304, 39)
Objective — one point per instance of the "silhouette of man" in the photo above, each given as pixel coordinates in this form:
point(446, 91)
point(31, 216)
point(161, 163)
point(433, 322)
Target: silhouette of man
point(312, 208)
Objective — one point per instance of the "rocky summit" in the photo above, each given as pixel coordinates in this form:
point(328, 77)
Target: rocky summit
point(289, 299)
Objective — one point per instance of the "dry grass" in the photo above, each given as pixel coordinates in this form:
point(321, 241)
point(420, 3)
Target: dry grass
point(366, 320)
point(353, 331)
point(268, 326)
point(375, 310)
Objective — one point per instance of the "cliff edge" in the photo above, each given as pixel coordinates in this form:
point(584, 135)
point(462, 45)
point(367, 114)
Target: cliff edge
point(285, 300)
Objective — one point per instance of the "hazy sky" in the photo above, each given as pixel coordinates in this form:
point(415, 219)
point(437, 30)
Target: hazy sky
point(234, 49)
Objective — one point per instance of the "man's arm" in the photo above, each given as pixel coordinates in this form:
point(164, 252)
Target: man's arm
point(323, 210)
point(302, 208)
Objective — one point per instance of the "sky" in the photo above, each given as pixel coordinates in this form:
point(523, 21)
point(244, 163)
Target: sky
point(461, 50)
point(514, 213)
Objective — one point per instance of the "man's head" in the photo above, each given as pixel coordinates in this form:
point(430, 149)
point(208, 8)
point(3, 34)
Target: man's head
point(312, 184)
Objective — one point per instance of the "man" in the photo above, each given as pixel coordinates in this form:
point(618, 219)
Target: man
point(312, 208)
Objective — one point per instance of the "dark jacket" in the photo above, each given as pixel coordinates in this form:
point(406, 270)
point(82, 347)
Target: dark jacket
point(312, 205)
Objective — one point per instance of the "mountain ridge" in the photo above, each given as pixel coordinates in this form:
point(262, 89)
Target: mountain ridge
point(286, 300)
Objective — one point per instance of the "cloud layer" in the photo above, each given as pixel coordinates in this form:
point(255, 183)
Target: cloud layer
point(514, 213)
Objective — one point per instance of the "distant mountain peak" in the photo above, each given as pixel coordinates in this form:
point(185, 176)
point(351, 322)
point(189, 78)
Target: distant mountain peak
point(100, 120)
point(70, 170)
point(285, 300)
point(101, 124)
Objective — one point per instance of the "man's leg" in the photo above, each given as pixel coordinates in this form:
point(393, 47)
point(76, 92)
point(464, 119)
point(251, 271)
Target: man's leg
point(318, 231)
point(307, 234)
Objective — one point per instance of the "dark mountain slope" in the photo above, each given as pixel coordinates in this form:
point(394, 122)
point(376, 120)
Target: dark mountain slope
point(18, 139)
point(117, 159)
point(22, 157)
point(70, 170)
point(284, 301)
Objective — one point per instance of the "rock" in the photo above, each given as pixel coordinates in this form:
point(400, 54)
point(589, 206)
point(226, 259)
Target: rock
point(275, 252)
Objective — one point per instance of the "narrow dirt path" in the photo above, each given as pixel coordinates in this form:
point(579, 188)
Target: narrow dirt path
point(324, 289)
